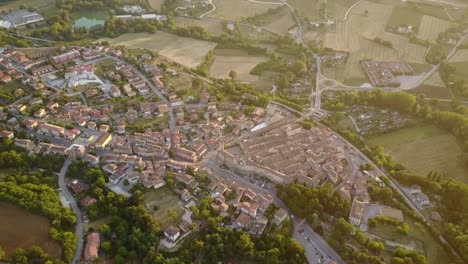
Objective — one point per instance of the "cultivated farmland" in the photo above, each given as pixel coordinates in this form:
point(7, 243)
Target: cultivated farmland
point(214, 27)
point(223, 63)
point(459, 56)
point(22, 229)
point(431, 27)
point(237, 10)
point(281, 22)
point(436, 150)
point(435, 80)
point(186, 51)
point(15, 4)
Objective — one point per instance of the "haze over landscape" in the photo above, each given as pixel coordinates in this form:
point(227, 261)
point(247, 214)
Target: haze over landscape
point(234, 131)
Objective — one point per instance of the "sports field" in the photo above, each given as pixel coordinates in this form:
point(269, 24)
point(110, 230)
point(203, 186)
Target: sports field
point(425, 148)
point(226, 60)
point(186, 51)
point(162, 200)
point(238, 10)
point(214, 27)
point(431, 27)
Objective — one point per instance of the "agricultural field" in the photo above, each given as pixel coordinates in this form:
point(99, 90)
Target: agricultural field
point(22, 229)
point(281, 24)
point(226, 60)
point(460, 55)
point(15, 4)
point(256, 34)
point(214, 27)
point(306, 8)
point(431, 27)
point(436, 149)
point(156, 4)
point(404, 14)
point(186, 51)
point(409, 52)
point(238, 10)
point(435, 80)
point(162, 199)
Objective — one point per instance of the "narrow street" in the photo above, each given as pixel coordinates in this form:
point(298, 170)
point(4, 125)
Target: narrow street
point(79, 216)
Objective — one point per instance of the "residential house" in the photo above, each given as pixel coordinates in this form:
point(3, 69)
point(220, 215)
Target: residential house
point(172, 233)
point(93, 242)
point(280, 216)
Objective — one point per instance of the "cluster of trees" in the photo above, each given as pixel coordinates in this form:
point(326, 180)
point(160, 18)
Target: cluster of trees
point(458, 85)
point(9, 40)
point(114, 27)
point(402, 228)
point(217, 243)
point(204, 67)
point(309, 202)
point(386, 43)
point(35, 195)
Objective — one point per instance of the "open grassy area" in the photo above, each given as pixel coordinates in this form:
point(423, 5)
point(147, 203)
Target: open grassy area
point(238, 10)
point(96, 224)
point(156, 4)
point(461, 69)
point(22, 229)
point(431, 27)
point(164, 199)
point(186, 51)
point(214, 27)
point(404, 14)
point(226, 60)
point(460, 55)
point(425, 148)
point(355, 35)
point(418, 238)
point(435, 80)
point(281, 24)
point(6, 5)
point(433, 91)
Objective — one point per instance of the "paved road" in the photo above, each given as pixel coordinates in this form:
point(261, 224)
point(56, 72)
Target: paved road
point(79, 216)
point(315, 243)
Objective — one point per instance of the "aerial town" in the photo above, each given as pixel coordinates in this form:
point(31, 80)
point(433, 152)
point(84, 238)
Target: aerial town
point(233, 131)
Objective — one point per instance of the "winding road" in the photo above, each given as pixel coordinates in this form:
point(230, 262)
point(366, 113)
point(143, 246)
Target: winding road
point(74, 206)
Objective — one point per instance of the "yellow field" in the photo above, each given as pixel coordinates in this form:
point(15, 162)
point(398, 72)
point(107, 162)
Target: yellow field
point(186, 51)
point(242, 65)
point(214, 27)
point(238, 10)
point(431, 27)
point(282, 24)
point(156, 4)
point(355, 34)
point(460, 56)
point(435, 80)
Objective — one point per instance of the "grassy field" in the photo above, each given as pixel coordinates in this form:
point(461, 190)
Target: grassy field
point(425, 148)
point(238, 60)
point(21, 229)
point(282, 23)
point(96, 224)
point(156, 4)
point(431, 27)
point(6, 5)
point(404, 14)
point(460, 69)
point(435, 80)
point(164, 199)
point(214, 27)
point(237, 10)
point(418, 238)
point(306, 8)
point(186, 51)
point(460, 55)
